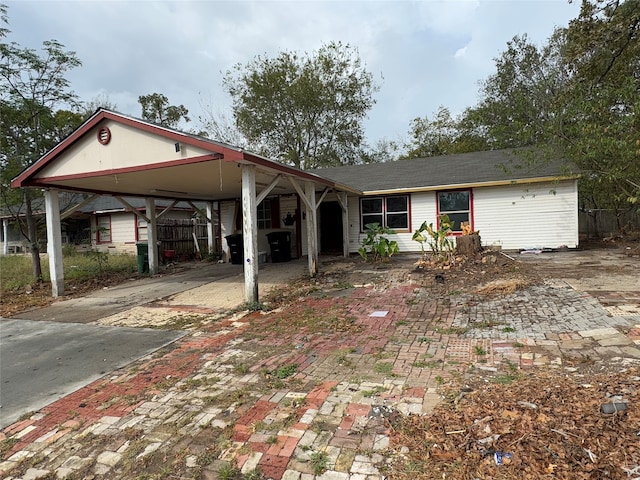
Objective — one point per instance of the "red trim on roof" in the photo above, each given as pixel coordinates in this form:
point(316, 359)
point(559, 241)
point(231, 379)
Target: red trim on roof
point(25, 179)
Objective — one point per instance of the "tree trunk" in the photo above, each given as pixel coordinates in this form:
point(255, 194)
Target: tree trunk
point(468, 245)
point(32, 231)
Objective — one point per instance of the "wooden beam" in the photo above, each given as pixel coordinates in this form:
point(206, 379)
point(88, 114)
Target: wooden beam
point(263, 194)
point(312, 230)
point(152, 237)
point(343, 201)
point(135, 211)
point(250, 233)
point(75, 208)
point(168, 209)
point(211, 234)
point(54, 241)
point(301, 193)
point(324, 194)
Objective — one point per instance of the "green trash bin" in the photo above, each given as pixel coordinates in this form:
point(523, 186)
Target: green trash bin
point(143, 257)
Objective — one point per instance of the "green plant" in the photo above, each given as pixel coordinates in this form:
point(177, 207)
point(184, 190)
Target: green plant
point(319, 462)
point(385, 368)
point(478, 350)
point(437, 240)
point(285, 371)
point(376, 245)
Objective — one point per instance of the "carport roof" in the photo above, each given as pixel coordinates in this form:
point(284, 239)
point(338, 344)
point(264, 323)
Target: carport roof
point(116, 154)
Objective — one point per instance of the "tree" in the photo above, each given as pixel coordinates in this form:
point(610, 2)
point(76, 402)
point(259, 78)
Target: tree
point(304, 110)
point(576, 98)
point(443, 135)
point(99, 101)
point(32, 87)
point(156, 109)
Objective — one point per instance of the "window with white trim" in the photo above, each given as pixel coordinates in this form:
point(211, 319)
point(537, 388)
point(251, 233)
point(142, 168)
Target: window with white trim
point(456, 204)
point(391, 212)
point(264, 214)
point(103, 233)
point(142, 232)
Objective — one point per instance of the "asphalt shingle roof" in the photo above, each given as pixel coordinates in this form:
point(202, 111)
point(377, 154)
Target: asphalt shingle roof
point(449, 170)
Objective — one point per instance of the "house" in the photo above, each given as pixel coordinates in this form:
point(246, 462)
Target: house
point(513, 207)
point(317, 211)
point(110, 225)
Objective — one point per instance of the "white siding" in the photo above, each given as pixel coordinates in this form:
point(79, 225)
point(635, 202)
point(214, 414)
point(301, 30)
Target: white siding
point(524, 216)
point(512, 216)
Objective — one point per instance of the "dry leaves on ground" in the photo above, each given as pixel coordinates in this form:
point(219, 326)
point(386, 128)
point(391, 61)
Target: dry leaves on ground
point(551, 425)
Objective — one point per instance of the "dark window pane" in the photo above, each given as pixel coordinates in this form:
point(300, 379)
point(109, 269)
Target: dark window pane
point(397, 220)
point(457, 219)
point(371, 205)
point(367, 219)
point(397, 204)
point(452, 201)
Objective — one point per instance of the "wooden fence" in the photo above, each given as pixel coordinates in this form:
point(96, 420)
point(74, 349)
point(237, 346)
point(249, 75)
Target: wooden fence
point(177, 235)
point(603, 223)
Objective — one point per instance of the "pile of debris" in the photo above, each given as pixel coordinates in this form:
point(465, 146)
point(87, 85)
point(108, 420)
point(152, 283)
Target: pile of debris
point(553, 424)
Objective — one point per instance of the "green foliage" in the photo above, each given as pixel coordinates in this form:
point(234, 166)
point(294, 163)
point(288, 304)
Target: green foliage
point(438, 240)
point(319, 462)
point(32, 87)
point(443, 135)
point(304, 110)
point(156, 109)
point(377, 247)
point(576, 98)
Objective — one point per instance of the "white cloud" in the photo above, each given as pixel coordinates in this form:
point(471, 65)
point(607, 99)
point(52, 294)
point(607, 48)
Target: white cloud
point(430, 53)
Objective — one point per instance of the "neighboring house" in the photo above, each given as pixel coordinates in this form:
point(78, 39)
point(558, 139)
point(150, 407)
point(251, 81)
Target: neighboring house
point(512, 207)
point(111, 226)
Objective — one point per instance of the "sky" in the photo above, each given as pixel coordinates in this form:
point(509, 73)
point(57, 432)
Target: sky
point(423, 54)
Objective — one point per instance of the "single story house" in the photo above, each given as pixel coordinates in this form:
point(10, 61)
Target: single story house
point(325, 210)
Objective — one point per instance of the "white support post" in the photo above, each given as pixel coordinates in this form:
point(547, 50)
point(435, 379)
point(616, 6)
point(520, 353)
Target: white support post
point(211, 231)
point(312, 229)
point(54, 242)
point(5, 236)
point(152, 236)
point(342, 200)
point(250, 233)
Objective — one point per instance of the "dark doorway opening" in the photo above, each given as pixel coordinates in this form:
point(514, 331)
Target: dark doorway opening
point(330, 227)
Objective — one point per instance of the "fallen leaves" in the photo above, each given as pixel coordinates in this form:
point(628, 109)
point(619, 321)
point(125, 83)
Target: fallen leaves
point(550, 423)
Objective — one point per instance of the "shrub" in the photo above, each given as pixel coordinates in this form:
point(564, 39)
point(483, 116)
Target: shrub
point(377, 246)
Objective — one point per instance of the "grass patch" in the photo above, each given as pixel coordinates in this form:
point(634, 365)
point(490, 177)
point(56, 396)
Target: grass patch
point(385, 368)
point(319, 462)
point(478, 350)
point(374, 392)
point(17, 269)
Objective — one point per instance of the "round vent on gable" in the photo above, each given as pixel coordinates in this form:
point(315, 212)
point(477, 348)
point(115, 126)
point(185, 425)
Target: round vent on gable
point(104, 135)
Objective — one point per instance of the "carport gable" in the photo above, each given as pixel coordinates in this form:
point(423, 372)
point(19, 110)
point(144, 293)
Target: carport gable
point(117, 155)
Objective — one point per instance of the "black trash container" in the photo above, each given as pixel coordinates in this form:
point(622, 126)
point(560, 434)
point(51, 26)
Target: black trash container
point(280, 243)
point(236, 248)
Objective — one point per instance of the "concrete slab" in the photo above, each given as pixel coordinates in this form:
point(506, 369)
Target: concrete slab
point(43, 361)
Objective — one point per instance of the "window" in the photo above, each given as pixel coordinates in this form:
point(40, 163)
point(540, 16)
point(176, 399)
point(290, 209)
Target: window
point(457, 205)
point(392, 212)
point(103, 234)
point(141, 230)
point(264, 214)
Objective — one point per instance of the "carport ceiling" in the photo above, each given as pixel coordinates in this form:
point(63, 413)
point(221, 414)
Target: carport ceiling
point(119, 155)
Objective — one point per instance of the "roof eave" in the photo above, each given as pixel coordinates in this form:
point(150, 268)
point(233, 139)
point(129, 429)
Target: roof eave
point(459, 186)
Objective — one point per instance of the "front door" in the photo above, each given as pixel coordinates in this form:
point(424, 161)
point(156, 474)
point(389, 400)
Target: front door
point(330, 228)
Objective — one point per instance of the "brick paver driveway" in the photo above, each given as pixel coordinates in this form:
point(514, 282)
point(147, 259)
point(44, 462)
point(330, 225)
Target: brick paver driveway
point(304, 390)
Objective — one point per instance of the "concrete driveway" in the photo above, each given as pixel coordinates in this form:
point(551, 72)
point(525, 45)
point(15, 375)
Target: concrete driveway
point(42, 361)
point(50, 352)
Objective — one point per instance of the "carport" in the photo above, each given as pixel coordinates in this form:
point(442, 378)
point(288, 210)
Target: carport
point(118, 155)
